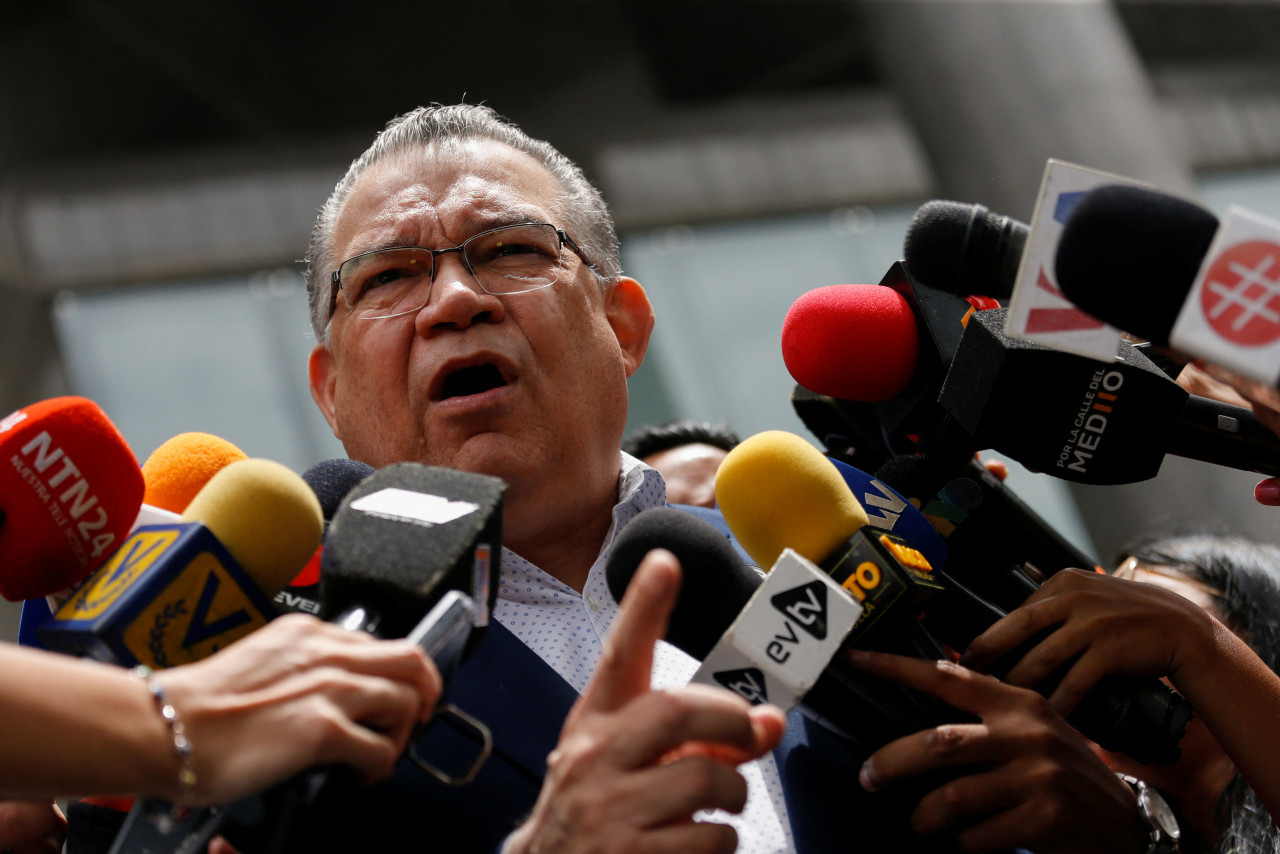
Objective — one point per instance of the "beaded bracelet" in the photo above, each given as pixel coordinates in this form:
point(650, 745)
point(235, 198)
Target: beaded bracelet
point(181, 744)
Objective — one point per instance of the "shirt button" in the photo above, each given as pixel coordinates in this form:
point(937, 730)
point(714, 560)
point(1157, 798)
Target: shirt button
point(592, 603)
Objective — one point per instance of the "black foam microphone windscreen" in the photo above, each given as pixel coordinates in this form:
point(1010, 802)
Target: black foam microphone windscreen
point(403, 536)
point(716, 582)
point(1129, 255)
point(964, 249)
point(331, 480)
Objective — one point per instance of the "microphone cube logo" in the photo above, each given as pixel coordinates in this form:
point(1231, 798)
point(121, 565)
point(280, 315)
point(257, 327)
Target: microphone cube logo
point(170, 595)
point(746, 682)
point(1231, 317)
point(1038, 311)
point(1241, 293)
point(784, 638)
point(806, 607)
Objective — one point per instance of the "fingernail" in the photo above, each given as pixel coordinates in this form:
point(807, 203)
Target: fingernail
point(867, 777)
point(859, 657)
point(659, 580)
point(1267, 492)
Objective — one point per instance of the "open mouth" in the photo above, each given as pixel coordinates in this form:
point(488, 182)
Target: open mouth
point(473, 380)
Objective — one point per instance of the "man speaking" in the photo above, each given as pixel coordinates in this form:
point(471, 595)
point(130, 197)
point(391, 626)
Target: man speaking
point(465, 286)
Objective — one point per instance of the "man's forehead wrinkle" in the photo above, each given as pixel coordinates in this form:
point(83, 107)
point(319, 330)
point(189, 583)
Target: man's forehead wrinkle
point(422, 202)
point(399, 219)
point(407, 222)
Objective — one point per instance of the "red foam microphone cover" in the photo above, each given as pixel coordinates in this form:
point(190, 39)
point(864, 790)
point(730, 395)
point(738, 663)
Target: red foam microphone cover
point(70, 489)
point(853, 342)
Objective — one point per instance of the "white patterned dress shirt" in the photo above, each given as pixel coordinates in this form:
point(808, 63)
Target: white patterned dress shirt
point(566, 629)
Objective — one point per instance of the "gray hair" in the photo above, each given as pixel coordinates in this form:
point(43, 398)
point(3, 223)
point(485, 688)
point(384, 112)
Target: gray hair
point(586, 217)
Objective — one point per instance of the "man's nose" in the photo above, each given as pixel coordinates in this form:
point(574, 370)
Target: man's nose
point(457, 299)
point(450, 266)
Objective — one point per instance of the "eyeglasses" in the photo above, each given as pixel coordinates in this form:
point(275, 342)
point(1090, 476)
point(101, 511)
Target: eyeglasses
point(512, 259)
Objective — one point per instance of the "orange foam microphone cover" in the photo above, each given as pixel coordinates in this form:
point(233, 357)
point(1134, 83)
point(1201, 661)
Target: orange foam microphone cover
point(178, 469)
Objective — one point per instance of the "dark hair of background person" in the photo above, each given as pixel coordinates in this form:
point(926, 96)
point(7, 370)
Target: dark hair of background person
point(1246, 576)
point(650, 439)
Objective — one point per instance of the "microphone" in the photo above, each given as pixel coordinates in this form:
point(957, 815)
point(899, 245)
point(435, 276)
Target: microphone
point(178, 469)
point(1129, 256)
point(776, 491)
point(761, 642)
point(1089, 421)
point(716, 583)
point(779, 484)
point(173, 474)
point(176, 593)
point(69, 490)
point(828, 329)
point(891, 511)
point(964, 249)
point(405, 541)
point(859, 343)
point(1165, 269)
point(401, 535)
point(330, 480)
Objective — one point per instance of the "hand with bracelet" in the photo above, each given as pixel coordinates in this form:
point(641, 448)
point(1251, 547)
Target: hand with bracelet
point(295, 694)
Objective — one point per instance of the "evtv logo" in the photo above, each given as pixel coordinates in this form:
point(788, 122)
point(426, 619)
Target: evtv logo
point(804, 608)
point(747, 682)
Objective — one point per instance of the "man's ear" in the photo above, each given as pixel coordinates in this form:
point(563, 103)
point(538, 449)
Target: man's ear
point(630, 315)
point(323, 376)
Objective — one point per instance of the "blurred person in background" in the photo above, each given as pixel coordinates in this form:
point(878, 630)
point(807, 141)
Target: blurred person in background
point(1238, 582)
point(687, 454)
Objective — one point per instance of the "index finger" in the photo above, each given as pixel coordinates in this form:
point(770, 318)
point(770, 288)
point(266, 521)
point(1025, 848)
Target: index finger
point(627, 659)
point(1040, 611)
point(955, 685)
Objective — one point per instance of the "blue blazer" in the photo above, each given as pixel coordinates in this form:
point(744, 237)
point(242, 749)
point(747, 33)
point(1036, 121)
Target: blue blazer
point(524, 703)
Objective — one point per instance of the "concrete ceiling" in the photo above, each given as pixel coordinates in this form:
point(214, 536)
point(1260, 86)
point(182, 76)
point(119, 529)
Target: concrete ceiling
point(87, 81)
point(124, 81)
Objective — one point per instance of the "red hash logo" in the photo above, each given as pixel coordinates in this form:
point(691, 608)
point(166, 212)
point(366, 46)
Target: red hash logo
point(1241, 295)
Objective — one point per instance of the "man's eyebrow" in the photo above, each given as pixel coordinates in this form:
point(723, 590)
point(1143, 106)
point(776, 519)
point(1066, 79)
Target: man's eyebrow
point(387, 243)
point(489, 221)
point(477, 224)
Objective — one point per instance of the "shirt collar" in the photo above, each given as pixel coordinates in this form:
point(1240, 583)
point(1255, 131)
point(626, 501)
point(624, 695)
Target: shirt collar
point(639, 488)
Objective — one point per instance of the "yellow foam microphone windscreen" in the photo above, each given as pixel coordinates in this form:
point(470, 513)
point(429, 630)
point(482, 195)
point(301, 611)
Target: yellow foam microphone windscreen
point(776, 491)
point(265, 515)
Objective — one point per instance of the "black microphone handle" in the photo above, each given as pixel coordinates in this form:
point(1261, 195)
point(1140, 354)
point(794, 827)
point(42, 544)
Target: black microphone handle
point(1225, 435)
point(999, 532)
point(869, 712)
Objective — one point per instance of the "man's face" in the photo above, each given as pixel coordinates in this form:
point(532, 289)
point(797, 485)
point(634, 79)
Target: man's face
point(529, 387)
point(690, 472)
